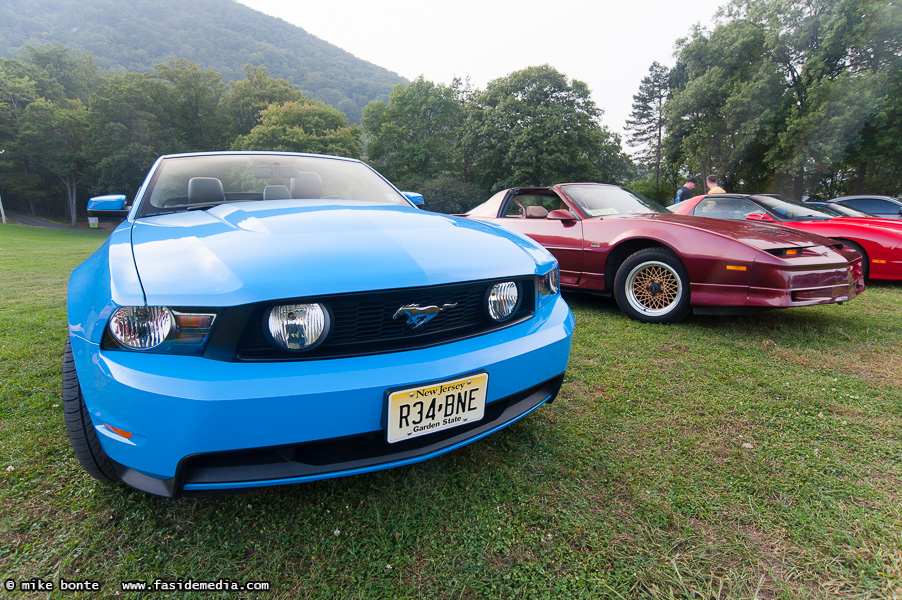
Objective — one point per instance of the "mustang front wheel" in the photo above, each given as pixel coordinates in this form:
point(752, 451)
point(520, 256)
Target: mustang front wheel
point(652, 286)
point(81, 431)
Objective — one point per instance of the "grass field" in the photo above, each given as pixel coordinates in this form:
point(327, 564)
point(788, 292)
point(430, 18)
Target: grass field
point(752, 457)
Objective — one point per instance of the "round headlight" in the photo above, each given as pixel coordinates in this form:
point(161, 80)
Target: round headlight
point(141, 327)
point(298, 326)
point(502, 300)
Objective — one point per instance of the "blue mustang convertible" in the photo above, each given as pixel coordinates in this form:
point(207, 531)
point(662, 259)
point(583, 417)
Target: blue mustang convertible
point(268, 318)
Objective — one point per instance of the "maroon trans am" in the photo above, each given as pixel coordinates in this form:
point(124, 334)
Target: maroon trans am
point(659, 265)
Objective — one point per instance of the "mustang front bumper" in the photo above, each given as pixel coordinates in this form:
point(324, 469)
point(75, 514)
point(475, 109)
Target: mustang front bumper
point(197, 425)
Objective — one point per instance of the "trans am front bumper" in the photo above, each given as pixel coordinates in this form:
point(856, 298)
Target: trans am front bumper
point(775, 283)
point(198, 426)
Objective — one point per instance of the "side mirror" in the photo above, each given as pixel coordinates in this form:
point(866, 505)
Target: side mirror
point(560, 214)
point(760, 217)
point(108, 206)
point(414, 197)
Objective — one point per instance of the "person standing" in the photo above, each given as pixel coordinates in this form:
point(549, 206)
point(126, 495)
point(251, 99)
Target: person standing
point(713, 188)
point(685, 192)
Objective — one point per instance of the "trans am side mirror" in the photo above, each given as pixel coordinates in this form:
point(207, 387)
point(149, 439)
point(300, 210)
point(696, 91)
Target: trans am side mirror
point(560, 215)
point(108, 206)
point(760, 217)
point(414, 197)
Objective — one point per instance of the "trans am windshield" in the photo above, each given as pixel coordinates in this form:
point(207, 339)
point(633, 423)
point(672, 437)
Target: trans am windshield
point(600, 200)
point(200, 182)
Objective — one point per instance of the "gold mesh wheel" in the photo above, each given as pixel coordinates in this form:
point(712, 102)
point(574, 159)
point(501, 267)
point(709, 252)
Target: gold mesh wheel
point(654, 288)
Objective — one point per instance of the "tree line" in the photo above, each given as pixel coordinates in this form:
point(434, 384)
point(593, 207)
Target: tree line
point(795, 97)
point(71, 131)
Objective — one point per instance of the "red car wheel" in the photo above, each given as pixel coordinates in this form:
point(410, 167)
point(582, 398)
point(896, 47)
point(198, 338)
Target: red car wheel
point(652, 286)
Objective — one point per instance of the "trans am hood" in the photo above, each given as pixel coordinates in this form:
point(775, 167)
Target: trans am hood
point(762, 236)
point(240, 253)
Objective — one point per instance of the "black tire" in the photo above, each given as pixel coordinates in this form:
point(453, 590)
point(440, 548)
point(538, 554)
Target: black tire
point(865, 261)
point(652, 286)
point(81, 431)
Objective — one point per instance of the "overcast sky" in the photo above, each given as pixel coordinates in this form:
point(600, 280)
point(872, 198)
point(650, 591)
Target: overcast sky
point(607, 44)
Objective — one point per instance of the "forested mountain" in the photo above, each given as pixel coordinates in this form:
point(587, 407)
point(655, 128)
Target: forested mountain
point(221, 35)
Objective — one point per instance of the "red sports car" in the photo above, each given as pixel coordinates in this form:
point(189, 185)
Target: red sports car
point(659, 266)
point(879, 242)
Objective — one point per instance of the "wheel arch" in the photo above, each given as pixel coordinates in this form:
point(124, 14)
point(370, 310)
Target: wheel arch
point(624, 250)
point(858, 247)
point(855, 244)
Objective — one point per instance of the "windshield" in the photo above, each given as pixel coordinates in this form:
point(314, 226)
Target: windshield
point(600, 200)
point(793, 210)
point(843, 211)
point(200, 182)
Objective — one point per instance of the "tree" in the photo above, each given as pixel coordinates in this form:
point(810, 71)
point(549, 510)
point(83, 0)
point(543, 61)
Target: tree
point(254, 93)
point(725, 105)
point(198, 94)
point(130, 124)
point(534, 127)
point(20, 84)
point(2, 212)
point(792, 96)
point(54, 136)
point(415, 136)
point(305, 126)
point(647, 119)
point(74, 70)
point(826, 50)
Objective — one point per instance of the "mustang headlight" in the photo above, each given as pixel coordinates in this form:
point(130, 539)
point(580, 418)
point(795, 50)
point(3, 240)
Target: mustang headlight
point(502, 300)
point(298, 326)
point(158, 329)
point(141, 327)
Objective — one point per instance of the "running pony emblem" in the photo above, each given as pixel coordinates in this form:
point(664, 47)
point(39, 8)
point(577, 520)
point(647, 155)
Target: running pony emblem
point(420, 315)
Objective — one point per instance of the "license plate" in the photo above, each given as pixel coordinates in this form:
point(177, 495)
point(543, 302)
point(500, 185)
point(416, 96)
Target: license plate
point(435, 407)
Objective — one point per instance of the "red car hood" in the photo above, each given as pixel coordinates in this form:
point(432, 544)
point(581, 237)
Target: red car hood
point(894, 224)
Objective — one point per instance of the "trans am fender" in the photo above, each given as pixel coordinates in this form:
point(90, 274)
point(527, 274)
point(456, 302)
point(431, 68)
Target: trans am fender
point(691, 244)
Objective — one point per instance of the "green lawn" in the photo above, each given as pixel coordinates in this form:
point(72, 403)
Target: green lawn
point(752, 457)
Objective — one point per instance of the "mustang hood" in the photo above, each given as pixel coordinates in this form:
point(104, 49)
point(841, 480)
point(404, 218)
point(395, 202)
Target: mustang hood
point(240, 253)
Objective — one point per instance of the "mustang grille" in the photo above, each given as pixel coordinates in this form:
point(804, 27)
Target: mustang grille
point(363, 323)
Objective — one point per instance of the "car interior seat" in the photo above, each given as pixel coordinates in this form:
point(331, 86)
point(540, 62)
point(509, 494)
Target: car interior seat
point(205, 190)
point(536, 212)
point(276, 192)
point(307, 184)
